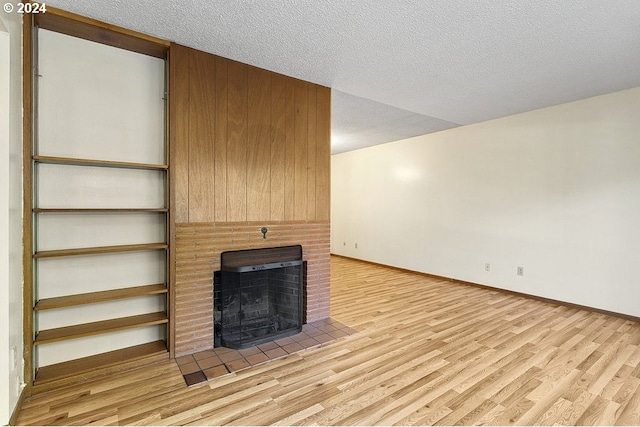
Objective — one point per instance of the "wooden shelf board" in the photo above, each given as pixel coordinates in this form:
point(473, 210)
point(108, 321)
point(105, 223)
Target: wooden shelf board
point(101, 327)
point(101, 296)
point(98, 210)
point(104, 360)
point(100, 250)
point(75, 25)
point(98, 163)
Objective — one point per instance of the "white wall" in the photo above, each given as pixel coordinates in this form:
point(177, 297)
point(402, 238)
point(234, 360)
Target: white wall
point(556, 191)
point(10, 213)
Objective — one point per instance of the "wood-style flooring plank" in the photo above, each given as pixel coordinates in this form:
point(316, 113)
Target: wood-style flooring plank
point(427, 351)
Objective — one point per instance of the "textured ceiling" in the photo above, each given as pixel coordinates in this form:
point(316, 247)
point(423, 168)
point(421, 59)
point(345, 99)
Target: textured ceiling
point(359, 122)
point(404, 66)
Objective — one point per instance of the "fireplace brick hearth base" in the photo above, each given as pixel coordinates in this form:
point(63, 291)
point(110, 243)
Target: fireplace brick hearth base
point(197, 254)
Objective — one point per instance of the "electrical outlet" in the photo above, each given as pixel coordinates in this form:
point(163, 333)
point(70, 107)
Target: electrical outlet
point(344, 243)
point(520, 271)
point(487, 267)
point(356, 246)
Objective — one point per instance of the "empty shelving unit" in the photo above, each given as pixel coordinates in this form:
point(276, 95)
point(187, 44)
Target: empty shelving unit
point(97, 179)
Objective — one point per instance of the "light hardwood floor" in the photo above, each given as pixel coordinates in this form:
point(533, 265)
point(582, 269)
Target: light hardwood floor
point(428, 351)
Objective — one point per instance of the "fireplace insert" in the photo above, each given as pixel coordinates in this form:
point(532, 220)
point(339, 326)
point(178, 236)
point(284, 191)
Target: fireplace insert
point(260, 295)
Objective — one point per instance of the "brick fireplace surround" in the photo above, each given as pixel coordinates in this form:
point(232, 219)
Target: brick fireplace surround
point(198, 249)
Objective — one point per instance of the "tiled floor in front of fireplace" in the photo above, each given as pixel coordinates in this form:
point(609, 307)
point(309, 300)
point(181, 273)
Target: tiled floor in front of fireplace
point(209, 364)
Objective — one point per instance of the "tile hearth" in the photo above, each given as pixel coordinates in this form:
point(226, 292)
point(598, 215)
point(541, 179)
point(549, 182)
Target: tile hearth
point(210, 364)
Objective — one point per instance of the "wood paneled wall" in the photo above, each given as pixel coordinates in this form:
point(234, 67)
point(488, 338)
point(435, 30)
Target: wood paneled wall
point(249, 148)
point(248, 144)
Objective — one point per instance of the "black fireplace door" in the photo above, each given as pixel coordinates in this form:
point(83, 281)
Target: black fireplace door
point(260, 295)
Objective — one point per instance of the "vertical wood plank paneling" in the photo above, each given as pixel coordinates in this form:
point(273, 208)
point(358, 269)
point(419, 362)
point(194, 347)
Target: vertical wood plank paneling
point(311, 153)
point(323, 150)
point(301, 129)
point(290, 150)
point(237, 142)
point(278, 145)
point(179, 131)
point(202, 99)
point(220, 147)
point(249, 144)
point(259, 145)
